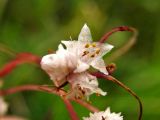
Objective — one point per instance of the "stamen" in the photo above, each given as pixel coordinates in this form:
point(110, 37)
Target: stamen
point(94, 44)
point(97, 51)
point(85, 53)
point(87, 45)
point(78, 97)
point(103, 118)
point(93, 55)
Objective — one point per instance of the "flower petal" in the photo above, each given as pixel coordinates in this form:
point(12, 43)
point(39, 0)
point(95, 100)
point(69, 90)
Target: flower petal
point(104, 115)
point(53, 66)
point(70, 45)
point(85, 34)
point(105, 48)
point(59, 65)
point(84, 84)
point(81, 67)
point(60, 48)
point(99, 65)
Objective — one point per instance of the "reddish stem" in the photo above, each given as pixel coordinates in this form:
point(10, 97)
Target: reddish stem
point(117, 29)
point(43, 88)
point(27, 88)
point(111, 78)
point(70, 109)
point(124, 48)
point(20, 58)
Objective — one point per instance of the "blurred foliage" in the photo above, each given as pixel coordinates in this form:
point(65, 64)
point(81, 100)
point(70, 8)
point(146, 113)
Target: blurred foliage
point(37, 26)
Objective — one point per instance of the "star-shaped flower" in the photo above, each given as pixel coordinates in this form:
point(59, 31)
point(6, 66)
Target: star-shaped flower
point(104, 115)
point(71, 64)
point(88, 52)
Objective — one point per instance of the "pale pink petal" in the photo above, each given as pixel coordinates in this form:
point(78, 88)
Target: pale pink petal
point(104, 115)
point(99, 65)
point(85, 34)
point(81, 67)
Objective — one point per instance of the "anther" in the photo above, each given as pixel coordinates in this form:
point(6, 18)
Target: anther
point(85, 53)
point(98, 51)
point(93, 44)
point(87, 45)
point(93, 55)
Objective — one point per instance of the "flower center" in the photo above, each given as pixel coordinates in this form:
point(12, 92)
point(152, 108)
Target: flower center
point(91, 50)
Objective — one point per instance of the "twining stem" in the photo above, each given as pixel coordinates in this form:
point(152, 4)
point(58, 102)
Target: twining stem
point(19, 59)
point(27, 88)
point(131, 92)
point(117, 29)
point(111, 78)
point(45, 88)
point(70, 109)
point(122, 50)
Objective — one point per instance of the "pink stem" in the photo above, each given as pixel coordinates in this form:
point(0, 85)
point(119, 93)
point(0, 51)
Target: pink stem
point(70, 109)
point(26, 88)
point(111, 78)
point(20, 58)
point(43, 88)
point(117, 29)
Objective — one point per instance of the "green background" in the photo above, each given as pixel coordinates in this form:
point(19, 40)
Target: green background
point(37, 26)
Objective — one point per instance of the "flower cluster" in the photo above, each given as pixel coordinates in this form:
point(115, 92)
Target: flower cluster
point(71, 64)
point(104, 115)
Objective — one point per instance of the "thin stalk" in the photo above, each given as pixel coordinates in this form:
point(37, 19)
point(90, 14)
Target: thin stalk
point(19, 59)
point(45, 88)
point(70, 109)
point(111, 78)
point(122, 50)
point(40, 88)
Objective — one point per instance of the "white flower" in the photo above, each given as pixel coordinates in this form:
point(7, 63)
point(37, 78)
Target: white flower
point(3, 106)
point(71, 64)
point(88, 52)
point(104, 115)
point(84, 84)
point(59, 65)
